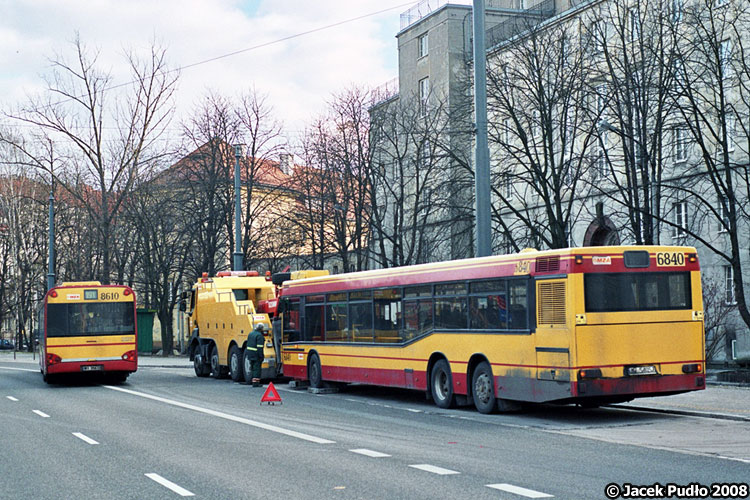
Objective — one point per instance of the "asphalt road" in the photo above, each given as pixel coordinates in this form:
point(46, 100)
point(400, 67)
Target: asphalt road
point(166, 434)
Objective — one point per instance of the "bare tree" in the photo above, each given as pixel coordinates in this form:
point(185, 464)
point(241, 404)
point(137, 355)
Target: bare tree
point(409, 183)
point(711, 96)
point(635, 61)
point(206, 174)
point(155, 218)
point(106, 135)
point(542, 137)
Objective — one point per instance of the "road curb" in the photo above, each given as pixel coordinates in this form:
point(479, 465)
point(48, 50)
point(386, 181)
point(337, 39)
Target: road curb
point(688, 413)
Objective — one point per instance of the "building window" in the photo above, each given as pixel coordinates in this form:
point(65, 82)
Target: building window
point(601, 156)
point(423, 45)
point(635, 24)
point(731, 124)
point(680, 219)
point(725, 58)
point(729, 295)
point(677, 8)
point(506, 130)
point(681, 144)
point(723, 214)
point(507, 186)
point(424, 93)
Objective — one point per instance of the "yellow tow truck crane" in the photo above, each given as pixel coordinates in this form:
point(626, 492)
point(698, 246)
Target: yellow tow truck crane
point(221, 311)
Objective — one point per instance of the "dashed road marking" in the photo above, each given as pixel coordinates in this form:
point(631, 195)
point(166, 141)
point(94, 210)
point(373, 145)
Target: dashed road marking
point(226, 416)
point(85, 438)
point(434, 469)
point(370, 453)
point(169, 484)
point(41, 413)
point(517, 490)
point(11, 398)
point(19, 369)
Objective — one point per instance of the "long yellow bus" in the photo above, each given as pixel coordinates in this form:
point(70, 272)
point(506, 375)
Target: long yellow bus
point(591, 326)
point(87, 327)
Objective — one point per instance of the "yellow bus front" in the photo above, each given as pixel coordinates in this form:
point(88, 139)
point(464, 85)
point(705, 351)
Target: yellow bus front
point(89, 327)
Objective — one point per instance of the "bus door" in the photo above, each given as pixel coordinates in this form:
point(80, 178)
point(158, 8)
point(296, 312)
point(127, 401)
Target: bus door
point(552, 330)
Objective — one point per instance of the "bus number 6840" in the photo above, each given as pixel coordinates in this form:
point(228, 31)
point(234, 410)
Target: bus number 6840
point(664, 259)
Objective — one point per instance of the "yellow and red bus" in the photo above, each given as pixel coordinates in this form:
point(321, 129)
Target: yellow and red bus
point(87, 327)
point(590, 326)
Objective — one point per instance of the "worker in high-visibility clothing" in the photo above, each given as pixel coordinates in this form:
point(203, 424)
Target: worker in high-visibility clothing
point(255, 341)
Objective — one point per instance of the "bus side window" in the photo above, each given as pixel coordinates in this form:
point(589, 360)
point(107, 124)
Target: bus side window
point(518, 305)
point(291, 320)
point(387, 305)
point(314, 315)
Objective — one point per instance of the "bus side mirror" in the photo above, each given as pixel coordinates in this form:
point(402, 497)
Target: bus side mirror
point(281, 308)
point(183, 306)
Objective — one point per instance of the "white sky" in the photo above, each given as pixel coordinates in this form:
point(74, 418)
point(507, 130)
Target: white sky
point(297, 75)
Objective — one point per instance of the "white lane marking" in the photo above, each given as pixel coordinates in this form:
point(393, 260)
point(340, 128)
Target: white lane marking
point(85, 438)
point(233, 418)
point(434, 469)
point(413, 410)
point(18, 369)
point(370, 453)
point(41, 414)
point(517, 490)
point(169, 484)
point(11, 398)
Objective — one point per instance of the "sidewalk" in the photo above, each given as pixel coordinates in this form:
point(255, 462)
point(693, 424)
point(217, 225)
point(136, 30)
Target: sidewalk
point(719, 400)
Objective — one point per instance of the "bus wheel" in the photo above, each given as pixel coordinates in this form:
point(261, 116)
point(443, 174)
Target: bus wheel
point(483, 388)
point(314, 371)
point(235, 364)
point(201, 369)
point(217, 371)
point(442, 384)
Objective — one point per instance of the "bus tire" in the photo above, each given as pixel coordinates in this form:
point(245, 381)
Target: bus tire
point(314, 371)
point(483, 388)
point(235, 364)
point(217, 371)
point(201, 368)
point(441, 383)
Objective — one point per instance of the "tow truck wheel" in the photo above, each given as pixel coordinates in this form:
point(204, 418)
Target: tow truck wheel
point(217, 371)
point(201, 369)
point(236, 364)
point(246, 366)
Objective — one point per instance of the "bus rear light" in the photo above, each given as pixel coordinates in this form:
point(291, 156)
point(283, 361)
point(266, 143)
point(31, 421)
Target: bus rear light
point(692, 258)
point(692, 368)
point(579, 259)
point(129, 356)
point(589, 373)
point(53, 293)
point(53, 359)
point(127, 292)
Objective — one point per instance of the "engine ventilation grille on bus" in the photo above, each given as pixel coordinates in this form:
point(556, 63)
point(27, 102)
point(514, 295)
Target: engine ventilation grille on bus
point(548, 264)
point(551, 303)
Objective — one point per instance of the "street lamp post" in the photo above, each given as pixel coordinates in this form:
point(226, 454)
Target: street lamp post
point(237, 256)
point(481, 154)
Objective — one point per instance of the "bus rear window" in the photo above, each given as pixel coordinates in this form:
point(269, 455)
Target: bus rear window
point(101, 318)
point(612, 292)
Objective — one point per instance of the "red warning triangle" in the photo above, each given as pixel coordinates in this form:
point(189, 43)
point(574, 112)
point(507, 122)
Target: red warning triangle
point(271, 395)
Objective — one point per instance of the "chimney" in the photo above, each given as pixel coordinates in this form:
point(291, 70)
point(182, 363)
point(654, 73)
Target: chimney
point(286, 163)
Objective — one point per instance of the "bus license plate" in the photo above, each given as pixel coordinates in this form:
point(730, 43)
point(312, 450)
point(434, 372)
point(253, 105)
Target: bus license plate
point(92, 368)
point(641, 370)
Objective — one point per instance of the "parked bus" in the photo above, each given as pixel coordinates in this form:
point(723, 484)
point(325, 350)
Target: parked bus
point(87, 327)
point(591, 326)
